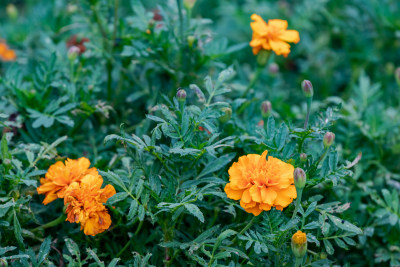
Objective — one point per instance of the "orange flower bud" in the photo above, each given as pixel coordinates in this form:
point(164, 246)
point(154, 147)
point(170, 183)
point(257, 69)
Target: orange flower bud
point(299, 244)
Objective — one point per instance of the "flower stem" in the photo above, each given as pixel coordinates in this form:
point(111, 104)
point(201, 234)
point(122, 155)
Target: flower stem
point(298, 262)
point(253, 80)
point(298, 201)
point(309, 101)
point(51, 224)
point(250, 223)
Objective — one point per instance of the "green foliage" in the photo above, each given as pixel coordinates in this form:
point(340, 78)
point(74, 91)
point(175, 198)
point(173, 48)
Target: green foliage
point(168, 159)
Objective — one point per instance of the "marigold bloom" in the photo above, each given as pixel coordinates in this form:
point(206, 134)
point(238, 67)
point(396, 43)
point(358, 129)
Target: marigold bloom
point(60, 176)
point(85, 204)
point(260, 183)
point(272, 35)
point(6, 54)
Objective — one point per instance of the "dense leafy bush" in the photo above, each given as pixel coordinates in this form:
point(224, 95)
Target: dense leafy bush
point(176, 115)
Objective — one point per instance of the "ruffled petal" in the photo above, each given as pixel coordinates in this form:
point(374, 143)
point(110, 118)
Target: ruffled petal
point(278, 23)
point(291, 36)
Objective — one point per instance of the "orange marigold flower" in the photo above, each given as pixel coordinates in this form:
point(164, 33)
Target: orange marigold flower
point(272, 35)
point(59, 176)
point(85, 204)
point(260, 184)
point(6, 54)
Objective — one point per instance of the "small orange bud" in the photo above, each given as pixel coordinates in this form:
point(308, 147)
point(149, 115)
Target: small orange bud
point(299, 244)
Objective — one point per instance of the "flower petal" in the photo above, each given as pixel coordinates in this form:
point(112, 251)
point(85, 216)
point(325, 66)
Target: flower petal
point(290, 36)
point(231, 193)
point(278, 23)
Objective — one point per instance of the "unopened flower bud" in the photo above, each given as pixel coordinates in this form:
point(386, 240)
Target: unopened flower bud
point(397, 75)
point(262, 57)
point(273, 68)
point(307, 87)
point(328, 140)
point(12, 11)
point(73, 52)
point(227, 115)
point(299, 244)
point(266, 108)
point(323, 256)
point(189, 4)
point(181, 95)
point(299, 178)
point(303, 157)
point(190, 40)
point(3, 263)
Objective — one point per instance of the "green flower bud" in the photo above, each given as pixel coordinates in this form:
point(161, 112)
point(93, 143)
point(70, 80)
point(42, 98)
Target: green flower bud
point(227, 115)
point(307, 87)
point(12, 11)
point(328, 140)
point(266, 108)
point(190, 40)
point(3, 263)
point(299, 244)
point(181, 95)
point(397, 75)
point(73, 53)
point(300, 178)
point(303, 157)
point(189, 4)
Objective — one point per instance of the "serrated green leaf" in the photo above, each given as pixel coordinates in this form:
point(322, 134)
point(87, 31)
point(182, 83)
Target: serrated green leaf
point(195, 211)
point(344, 225)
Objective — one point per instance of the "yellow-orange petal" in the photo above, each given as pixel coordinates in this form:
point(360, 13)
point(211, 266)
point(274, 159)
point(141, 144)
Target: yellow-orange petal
point(256, 50)
point(291, 36)
point(280, 47)
point(50, 196)
point(265, 207)
point(107, 192)
point(255, 210)
point(259, 25)
point(268, 195)
point(278, 23)
point(231, 193)
point(246, 196)
point(255, 193)
point(285, 196)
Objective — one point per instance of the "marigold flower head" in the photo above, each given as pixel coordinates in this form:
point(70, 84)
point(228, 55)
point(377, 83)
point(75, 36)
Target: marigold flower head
point(60, 176)
point(85, 204)
point(6, 54)
point(272, 35)
point(261, 183)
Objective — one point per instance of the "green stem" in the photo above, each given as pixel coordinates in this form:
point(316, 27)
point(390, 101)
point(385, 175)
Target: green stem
point(309, 101)
point(253, 80)
point(51, 224)
point(298, 262)
point(298, 201)
point(180, 13)
point(245, 228)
